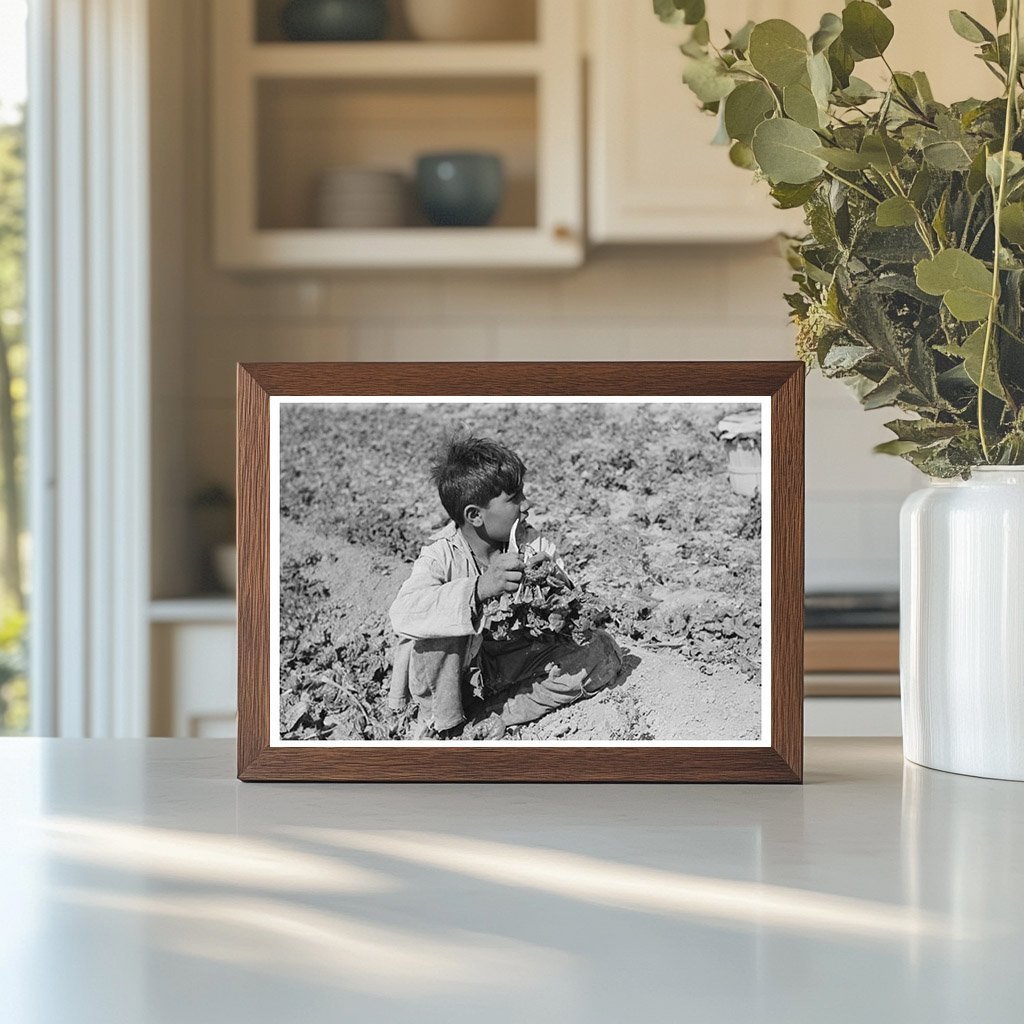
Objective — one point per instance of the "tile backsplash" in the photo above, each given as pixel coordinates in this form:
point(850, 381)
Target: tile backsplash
point(718, 302)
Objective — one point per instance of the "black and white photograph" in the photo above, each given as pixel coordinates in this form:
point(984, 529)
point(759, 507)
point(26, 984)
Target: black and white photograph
point(520, 570)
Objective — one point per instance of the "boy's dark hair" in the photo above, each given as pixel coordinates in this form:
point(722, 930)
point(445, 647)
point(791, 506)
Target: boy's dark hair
point(473, 470)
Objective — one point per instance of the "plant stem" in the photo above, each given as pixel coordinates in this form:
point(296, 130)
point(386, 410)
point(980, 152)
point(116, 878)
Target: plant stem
point(922, 225)
point(981, 231)
point(855, 187)
point(993, 309)
point(970, 215)
point(771, 90)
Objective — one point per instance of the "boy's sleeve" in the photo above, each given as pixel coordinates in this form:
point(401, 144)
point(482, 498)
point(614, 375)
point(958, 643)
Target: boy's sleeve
point(429, 605)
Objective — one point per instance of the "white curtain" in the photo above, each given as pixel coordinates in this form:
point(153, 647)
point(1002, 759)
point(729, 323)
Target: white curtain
point(88, 320)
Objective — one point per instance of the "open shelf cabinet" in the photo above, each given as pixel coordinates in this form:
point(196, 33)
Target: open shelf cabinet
point(286, 113)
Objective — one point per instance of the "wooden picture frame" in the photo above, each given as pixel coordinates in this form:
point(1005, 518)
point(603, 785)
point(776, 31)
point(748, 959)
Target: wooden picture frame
point(777, 757)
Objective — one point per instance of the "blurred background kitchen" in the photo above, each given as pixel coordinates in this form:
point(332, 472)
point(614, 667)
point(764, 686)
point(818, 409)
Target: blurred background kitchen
point(214, 181)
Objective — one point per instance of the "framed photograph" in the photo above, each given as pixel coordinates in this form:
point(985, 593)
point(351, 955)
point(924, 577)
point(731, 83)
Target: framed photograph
point(520, 572)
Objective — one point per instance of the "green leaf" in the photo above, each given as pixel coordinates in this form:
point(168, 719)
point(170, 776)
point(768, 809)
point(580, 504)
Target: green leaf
point(906, 89)
point(885, 394)
point(820, 76)
point(695, 11)
point(800, 105)
point(923, 431)
point(997, 53)
point(939, 220)
point(896, 212)
point(1014, 169)
point(668, 12)
point(742, 155)
point(971, 352)
point(745, 108)
point(866, 29)
point(739, 41)
point(789, 197)
point(999, 7)
point(883, 153)
point(968, 28)
point(675, 12)
point(895, 447)
point(841, 60)
point(946, 156)
point(844, 159)
point(701, 33)
point(976, 174)
point(830, 29)
point(924, 88)
point(708, 81)
point(785, 152)
point(963, 281)
point(859, 91)
point(921, 186)
point(778, 50)
point(1011, 226)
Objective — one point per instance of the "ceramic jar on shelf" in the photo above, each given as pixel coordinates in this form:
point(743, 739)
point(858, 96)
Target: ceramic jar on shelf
point(471, 20)
point(334, 20)
point(460, 189)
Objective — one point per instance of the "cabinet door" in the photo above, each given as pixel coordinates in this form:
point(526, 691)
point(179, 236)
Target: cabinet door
point(193, 679)
point(653, 174)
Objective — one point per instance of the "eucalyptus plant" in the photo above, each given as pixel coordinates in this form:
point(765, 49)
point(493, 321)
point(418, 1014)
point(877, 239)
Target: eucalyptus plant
point(909, 281)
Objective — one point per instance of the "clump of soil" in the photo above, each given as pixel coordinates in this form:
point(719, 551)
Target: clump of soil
point(638, 501)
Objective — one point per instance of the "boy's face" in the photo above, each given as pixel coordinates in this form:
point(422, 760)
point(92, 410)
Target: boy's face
point(494, 521)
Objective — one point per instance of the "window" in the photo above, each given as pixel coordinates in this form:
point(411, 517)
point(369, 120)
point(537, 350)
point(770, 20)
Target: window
point(14, 549)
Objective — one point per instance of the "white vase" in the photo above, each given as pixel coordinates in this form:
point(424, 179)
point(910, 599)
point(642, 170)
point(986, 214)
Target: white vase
point(962, 624)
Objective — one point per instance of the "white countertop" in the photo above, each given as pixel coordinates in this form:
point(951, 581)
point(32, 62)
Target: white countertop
point(143, 884)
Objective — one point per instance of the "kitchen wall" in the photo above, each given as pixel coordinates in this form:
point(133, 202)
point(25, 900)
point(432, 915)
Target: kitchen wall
point(701, 302)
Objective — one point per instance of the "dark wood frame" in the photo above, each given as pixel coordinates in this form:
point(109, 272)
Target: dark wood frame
point(782, 761)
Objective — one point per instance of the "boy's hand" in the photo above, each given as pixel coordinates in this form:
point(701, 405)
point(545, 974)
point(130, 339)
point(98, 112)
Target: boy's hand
point(502, 576)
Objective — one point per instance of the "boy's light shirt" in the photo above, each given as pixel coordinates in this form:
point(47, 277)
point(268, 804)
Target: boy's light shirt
point(439, 600)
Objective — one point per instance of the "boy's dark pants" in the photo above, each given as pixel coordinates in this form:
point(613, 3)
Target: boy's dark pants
point(522, 679)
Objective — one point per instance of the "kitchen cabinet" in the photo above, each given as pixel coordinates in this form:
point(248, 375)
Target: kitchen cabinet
point(192, 650)
point(287, 113)
point(653, 175)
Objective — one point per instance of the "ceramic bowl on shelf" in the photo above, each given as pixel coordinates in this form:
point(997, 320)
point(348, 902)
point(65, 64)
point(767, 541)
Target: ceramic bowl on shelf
point(470, 20)
point(361, 198)
point(460, 189)
point(334, 20)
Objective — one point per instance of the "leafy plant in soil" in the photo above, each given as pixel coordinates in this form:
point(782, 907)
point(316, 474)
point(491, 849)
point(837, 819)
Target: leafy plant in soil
point(547, 606)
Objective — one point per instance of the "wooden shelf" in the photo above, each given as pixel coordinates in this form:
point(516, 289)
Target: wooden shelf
point(852, 650)
point(206, 608)
point(393, 60)
point(401, 247)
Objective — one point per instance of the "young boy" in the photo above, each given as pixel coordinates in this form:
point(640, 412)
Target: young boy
point(438, 614)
